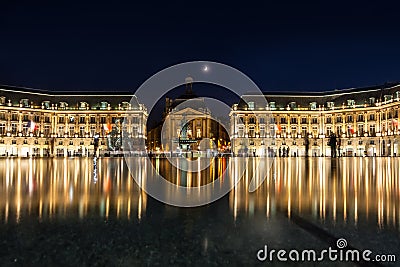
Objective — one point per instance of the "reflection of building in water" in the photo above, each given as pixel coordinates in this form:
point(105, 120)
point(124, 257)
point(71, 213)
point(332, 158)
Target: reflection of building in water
point(342, 190)
point(36, 122)
point(187, 121)
point(364, 119)
point(66, 188)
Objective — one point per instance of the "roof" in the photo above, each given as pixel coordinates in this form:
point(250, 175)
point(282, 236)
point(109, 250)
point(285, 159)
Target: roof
point(93, 98)
point(361, 96)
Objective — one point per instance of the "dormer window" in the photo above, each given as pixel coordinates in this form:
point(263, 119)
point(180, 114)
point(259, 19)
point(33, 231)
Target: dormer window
point(251, 105)
point(292, 105)
point(398, 95)
point(351, 103)
point(372, 101)
point(125, 105)
point(330, 105)
point(83, 105)
point(272, 105)
point(24, 103)
point(313, 105)
point(46, 104)
point(388, 98)
point(103, 105)
point(2, 100)
point(63, 105)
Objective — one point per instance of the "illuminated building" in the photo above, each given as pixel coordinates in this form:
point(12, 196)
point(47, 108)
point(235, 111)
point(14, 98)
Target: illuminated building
point(365, 121)
point(45, 123)
point(188, 125)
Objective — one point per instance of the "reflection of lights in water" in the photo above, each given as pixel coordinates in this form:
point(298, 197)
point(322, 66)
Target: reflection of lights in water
point(95, 169)
point(140, 207)
point(56, 187)
point(343, 196)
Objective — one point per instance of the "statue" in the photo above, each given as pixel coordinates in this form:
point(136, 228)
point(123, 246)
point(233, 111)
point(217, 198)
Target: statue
point(114, 139)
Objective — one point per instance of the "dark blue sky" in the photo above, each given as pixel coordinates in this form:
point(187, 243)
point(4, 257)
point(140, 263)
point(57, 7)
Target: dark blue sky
point(113, 46)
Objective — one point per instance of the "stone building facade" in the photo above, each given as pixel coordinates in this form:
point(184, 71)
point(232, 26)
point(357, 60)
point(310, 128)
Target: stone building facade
point(364, 121)
point(45, 123)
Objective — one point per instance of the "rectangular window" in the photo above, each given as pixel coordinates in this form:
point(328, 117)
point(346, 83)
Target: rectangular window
point(262, 131)
point(360, 130)
point(241, 132)
point(81, 119)
point(92, 130)
point(92, 119)
point(328, 130)
point(329, 120)
point(294, 131)
point(314, 120)
point(303, 131)
point(82, 131)
point(293, 120)
point(198, 133)
point(2, 128)
point(372, 117)
point(13, 128)
point(61, 131)
point(135, 132)
point(272, 130)
point(372, 130)
point(135, 120)
point(338, 130)
point(251, 131)
point(25, 129)
point(46, 130)
point(315, 131)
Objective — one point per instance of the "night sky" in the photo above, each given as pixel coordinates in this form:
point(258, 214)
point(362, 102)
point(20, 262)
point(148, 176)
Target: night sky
point(111, 46)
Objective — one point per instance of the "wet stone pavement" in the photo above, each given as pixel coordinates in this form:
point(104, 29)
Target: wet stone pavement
point(52, 213)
